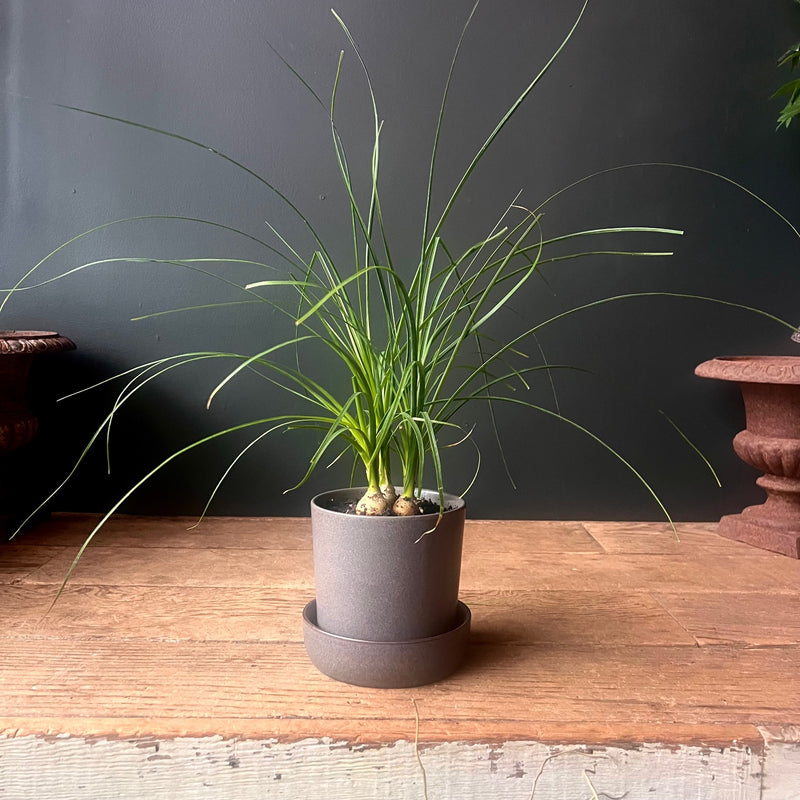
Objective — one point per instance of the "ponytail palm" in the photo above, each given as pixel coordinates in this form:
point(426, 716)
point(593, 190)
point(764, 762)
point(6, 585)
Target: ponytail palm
point(410, 344)
point(414, 340)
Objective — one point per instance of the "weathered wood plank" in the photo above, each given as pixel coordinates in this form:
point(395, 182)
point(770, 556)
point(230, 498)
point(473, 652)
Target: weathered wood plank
point(18, 561)
point(571, 618)
point(275, 682)
point(751, 618)
point(211, 767)
point(542, 536)
point(577, 639)
point(285, 533)
point(248, 533)
point(781, 771)
point(179, 566)
point(257, 614)
point(271, 614)
point(357, 734)
point(592, 572)
point(658, 538)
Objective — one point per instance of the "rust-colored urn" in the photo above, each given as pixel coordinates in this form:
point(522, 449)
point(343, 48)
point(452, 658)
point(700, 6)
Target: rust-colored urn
point(770, 387)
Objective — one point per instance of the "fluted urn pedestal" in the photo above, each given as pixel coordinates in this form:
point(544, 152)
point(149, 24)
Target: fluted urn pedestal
point(770, 388)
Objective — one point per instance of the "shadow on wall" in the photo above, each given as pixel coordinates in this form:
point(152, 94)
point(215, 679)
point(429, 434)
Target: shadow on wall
point(143, 434)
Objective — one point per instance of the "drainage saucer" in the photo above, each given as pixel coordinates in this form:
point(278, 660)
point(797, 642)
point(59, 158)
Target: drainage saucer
point(386, 665)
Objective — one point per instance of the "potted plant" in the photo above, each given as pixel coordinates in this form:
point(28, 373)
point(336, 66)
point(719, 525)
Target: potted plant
point(413, 347)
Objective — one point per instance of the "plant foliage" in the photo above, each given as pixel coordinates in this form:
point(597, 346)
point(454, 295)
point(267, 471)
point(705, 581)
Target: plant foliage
point(792, 88)
point(414, 345)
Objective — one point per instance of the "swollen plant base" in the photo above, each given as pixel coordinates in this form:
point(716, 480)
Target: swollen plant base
point(386, 665)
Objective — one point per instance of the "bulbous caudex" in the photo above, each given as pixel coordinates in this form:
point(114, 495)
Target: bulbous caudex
point(406, 506)
point(376, 503)
point(373, 504)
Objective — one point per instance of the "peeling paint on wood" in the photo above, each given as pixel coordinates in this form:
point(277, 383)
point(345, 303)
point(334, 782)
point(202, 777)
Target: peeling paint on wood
point(71, 768)
point(781, 773)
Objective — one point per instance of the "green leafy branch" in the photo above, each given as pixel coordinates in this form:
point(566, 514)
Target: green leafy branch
point(792, 88)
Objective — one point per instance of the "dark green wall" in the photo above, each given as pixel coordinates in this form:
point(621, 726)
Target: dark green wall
point(641, 81)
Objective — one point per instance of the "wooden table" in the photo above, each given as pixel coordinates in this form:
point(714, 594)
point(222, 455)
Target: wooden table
point(607, 659)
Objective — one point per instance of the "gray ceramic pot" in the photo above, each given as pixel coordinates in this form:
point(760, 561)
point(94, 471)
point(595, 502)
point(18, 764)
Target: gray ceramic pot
point(383, 579)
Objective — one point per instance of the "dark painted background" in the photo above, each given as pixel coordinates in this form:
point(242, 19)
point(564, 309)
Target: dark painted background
point(642, 80)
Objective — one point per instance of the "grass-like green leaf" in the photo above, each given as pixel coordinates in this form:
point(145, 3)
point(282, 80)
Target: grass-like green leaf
point(407, 349)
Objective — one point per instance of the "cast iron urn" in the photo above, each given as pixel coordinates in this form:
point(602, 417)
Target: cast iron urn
point(770, 388)
point(18, 425)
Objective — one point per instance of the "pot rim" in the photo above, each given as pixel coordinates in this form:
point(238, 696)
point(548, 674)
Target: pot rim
point(453, 504)
point(752, 369)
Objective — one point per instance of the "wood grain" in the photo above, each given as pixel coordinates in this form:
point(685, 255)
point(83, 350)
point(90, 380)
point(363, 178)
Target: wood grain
point(654, 538)
point(606, 633)
point(525, 684)
point(563, 617)
point(156, 613)
point(179, 566)
point(756, 619)
point(200, 613)
point(249, 533)
point(18, 561)
point(601, 572)
point(549, 536)
point(493, 731)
